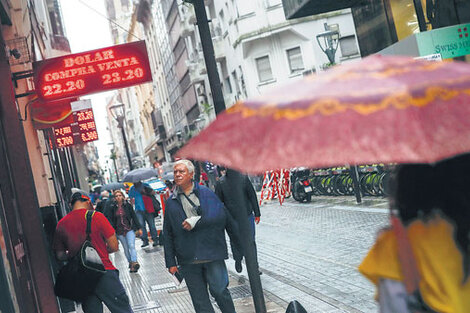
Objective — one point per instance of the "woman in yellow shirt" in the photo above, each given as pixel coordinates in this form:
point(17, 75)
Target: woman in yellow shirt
point(433, 202)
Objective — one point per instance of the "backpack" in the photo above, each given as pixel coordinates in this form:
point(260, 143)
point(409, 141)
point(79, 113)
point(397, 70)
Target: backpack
point(78, 278)
point(149, 192)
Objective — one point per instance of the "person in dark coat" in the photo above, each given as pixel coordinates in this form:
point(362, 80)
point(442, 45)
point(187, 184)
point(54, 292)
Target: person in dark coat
point(249, 203)
point(122, 217)
point(102, 201)
point(194, 238)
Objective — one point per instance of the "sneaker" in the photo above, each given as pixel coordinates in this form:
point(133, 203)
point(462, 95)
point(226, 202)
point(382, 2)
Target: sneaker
point(134, 267)
point(145, 244)
point(238, 266)
point(155, 244)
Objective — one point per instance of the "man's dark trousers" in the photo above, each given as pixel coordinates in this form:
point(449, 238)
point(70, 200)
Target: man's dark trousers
point(111, 292)
point(214, 274)
point(144, 216)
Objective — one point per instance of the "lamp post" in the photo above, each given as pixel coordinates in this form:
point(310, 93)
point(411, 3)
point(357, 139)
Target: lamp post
point(328, 41)
point(117, 111)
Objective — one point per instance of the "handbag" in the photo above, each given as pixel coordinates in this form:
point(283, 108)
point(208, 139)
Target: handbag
point(409, 268)
point(78, 278)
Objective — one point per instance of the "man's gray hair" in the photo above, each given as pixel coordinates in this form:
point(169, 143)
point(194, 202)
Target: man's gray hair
point(105, 193)
point(189, 165)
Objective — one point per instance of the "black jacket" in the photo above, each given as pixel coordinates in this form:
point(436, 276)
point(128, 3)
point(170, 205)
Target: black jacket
point(110, 213)
point(224, 192)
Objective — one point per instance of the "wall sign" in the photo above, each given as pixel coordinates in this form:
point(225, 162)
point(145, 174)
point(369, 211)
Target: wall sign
point(449, 42)
point(83, 128)
point(92, 71)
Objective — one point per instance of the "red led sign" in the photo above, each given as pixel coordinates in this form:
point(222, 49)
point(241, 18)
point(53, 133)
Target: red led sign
point(92, 71)
point(82, 130)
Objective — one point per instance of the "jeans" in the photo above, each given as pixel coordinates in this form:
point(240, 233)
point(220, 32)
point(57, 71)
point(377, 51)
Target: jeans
point(110, 291)
point(128, 244)
point(143, 217)
point(213, 274)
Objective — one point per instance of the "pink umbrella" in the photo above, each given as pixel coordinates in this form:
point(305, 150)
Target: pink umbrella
point(380, 109)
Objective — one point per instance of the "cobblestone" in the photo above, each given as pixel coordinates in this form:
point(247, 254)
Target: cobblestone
point(307, 252)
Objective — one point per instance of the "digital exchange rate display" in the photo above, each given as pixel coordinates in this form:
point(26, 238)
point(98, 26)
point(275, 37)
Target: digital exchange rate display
point(92, 71)
point(82, 130)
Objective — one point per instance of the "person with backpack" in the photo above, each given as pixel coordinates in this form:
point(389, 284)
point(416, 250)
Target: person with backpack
point(135, 193)
point(69, 236)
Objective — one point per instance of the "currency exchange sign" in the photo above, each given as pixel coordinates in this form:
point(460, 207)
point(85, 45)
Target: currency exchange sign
point(81, 130)
point(92, 71)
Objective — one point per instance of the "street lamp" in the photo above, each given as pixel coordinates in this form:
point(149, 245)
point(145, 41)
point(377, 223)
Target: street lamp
point(328, 41)
point(117, 111)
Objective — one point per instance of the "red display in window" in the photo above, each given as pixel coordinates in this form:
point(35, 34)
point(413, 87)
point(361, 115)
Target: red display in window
point(82, 130)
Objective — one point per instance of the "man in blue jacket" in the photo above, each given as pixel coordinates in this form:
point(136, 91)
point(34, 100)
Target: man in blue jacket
point(194, 238)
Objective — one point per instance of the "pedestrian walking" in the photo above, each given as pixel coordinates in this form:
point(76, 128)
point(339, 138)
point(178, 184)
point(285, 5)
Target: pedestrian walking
point(102, 201)
point(249, 203)
point(433, 274)
point(68, 238)
point(135, 194)
point(194, 239)
point(122, 217)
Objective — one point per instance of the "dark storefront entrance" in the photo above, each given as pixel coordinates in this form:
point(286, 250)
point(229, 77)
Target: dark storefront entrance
point(25, 270)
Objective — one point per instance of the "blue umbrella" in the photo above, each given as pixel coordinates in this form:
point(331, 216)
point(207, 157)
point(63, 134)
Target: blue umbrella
point(113, 186)
point(140, 174)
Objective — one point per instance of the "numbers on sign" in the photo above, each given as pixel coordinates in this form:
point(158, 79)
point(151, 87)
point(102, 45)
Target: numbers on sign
point(47, 90)
point(85, 115)
point(129, 74)
point(69, 86)
point(106, 79)
point(64, 141)
point(116, 77)
point(138, 72)
point(57, 89)
point(89, 136)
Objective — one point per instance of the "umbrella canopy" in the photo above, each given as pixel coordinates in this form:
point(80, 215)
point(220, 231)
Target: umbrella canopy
point(113, 186)
point(140, 174)
point(380, 109)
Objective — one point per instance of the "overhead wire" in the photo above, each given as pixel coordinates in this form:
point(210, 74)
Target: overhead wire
point(107, 18)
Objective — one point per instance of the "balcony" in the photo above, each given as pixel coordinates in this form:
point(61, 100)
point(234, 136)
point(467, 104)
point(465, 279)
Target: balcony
point(219, 50)
point(187, 28)
point(196, 67)
point(190, 15)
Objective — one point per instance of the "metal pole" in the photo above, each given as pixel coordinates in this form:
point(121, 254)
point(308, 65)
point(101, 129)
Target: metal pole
point(355, 179)
point(209, 57)
point(124, 138)
point(115, 169)
point(420, 15)
point(219, 106)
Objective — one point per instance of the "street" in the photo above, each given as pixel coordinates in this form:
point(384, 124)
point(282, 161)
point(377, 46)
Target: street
point(307, 252)
point(310, 252)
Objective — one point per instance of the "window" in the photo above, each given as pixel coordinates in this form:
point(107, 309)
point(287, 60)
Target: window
point(294, 56)
point(228, 85)
point(264, 69)
point(348, 46)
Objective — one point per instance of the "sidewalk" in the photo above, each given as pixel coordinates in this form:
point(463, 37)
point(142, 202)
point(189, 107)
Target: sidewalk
point(152, 289)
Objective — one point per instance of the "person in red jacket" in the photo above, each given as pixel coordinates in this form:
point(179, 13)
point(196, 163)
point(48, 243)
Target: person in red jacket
point(68, 238)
